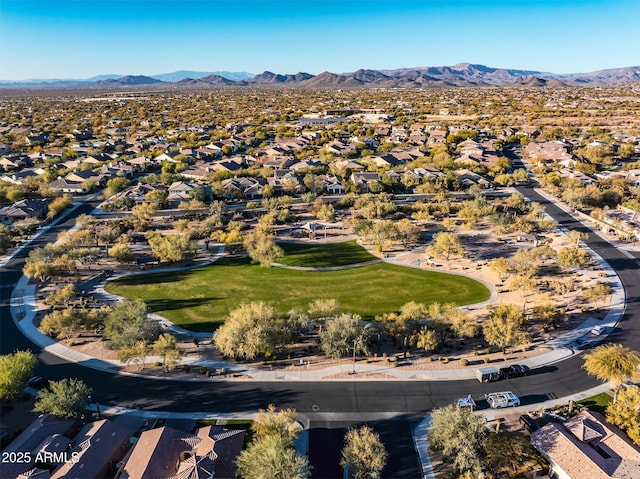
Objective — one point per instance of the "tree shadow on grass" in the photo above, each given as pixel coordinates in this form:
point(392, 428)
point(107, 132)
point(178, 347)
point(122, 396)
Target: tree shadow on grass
point(167, 304)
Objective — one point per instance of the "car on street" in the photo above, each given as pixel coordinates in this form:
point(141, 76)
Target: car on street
point(502, 399)
point(597, 330)
point(38, 382)
point(580, 343)
point(515, 371)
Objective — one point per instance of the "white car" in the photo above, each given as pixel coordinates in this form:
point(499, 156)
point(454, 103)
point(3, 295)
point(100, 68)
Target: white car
point(597, 330)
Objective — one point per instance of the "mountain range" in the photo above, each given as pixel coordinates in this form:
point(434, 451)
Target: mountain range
point(459, 75)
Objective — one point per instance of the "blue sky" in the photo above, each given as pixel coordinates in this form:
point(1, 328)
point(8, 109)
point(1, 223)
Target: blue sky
point(82, 38)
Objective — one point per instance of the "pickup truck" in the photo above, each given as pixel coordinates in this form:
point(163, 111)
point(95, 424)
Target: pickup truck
point(502, 399)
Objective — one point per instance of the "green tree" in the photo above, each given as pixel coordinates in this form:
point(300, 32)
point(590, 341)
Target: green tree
point(502, 267)
point(66, 398)
point(282, 423)
point(116, 185)
point(249, 330)
point(15, 369)
point(122, 252)
point(503, 328)
point(171, 248)
point(324, 308)
point(5, 238)
point(262, 248)
point(445, 244)
point(166, 347)
point(272, 457)
point(572, 257)
point(363, 455)
point(272, 453)
point(614, 363)
point(625, 412)
point(135, 354)
point(461, 435)
point(127, 323)
point(61, 296)
point(341, 335)
point(597, 293)
point(58, 205)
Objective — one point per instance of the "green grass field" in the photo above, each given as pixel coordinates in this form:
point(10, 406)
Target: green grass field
point(199, 299)
point(324, 255)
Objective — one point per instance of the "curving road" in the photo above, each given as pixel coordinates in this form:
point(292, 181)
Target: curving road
point(322, 399)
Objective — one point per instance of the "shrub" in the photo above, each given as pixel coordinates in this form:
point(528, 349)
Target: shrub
point(464, 361)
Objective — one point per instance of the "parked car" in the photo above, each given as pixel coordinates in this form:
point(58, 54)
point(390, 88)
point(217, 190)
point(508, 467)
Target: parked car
point(488, 374)
point(38, 382)
point(502, 399)
point(597, 330)
point(529, 423)
point(580, 343)
point(515, 371)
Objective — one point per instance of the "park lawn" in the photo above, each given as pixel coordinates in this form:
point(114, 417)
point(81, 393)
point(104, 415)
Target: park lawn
point(324, 255)
point(200, 299)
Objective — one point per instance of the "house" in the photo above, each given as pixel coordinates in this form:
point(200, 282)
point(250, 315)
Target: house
point(18, 177)
point(98, 447)
point(468, 178)
point(66, 186)
point(23, 210)
point(364, 179)
point(586, 446)
point(169, 453)
point(47, 432)
point(243, 187)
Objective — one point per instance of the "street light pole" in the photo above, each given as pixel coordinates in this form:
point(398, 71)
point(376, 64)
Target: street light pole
point(354, 357)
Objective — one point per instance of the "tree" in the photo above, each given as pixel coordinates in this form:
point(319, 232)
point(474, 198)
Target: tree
point(272, 457)
point(522, 282)
point(324, 308)
point(625, 412)
point(549, 314)
point(262, 248)
point(272, 453)
point(15, 369)
point(283, 423)
point(66, 398)
point(127, 323)
point(171, 248)
point(502, 267)
point(58, 205)
point(61, 296)
point(508, 455)
point(122, 252)
point(5, 238)
point(116, 185)
point(572, 257)
point(407, 232)
point(342, 335)
point(597, 293)
point(445, 244)
point(459, 434)
point(614, 363)
point(576, 236)
point(134, 354)
point(166, 347)
point(363, 455)
point(503, 327)
point(426, 339)
point(251, 329)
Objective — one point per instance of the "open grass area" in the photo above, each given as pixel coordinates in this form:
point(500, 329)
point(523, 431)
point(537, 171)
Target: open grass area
point(199, 299)
point(597, 403)
point(324, 255)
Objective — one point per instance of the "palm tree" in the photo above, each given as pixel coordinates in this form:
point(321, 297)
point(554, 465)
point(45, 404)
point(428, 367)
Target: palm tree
point(614, 363)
